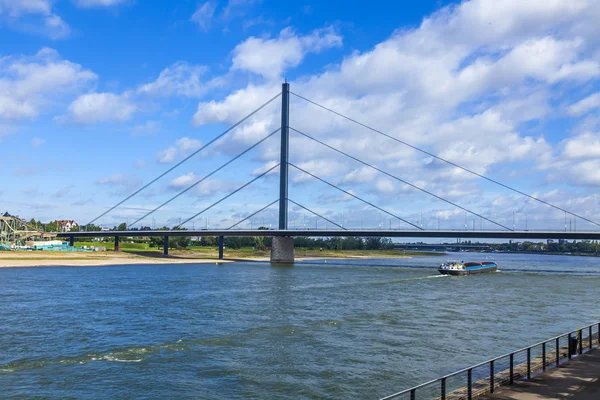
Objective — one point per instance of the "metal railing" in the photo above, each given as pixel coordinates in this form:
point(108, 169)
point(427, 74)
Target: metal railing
point(485, 377)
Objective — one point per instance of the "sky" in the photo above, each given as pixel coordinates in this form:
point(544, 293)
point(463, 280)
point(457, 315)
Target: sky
point(99, 97)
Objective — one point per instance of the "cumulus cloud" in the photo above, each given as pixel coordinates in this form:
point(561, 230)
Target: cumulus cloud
point(585, 105)
point(120, 184)
point(209, 186)
point(37, 142)
point(148, 128)
point(586, 145)
point(98, 3)
point(183, 181)
point(473, 83)
point(29, 85)
point(101, 107)
point(182, 148)
point(204, 15)
point(180, 79)
point(272, 57)
point(34, 12)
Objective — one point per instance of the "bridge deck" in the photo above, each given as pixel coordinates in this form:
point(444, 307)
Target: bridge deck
point(578, 379)
point(593, 235)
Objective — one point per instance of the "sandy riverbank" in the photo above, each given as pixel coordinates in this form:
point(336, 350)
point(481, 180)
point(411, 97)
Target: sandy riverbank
point(79, 259)
point(71, 259)
point(84, 259)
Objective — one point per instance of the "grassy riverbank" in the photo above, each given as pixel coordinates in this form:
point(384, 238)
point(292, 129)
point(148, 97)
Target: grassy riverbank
point(135, 253)
point(248, 252)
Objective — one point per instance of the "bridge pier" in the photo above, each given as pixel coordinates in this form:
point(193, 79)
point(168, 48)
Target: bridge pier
point(166, 246)
point(117, 247)
point(221, 246)
point(282, 250)
point(71, 241)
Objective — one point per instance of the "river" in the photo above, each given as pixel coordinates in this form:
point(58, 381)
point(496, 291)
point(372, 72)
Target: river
point(320, 329)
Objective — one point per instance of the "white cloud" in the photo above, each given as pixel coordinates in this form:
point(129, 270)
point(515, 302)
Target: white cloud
point(272, 57)
point(148, 128)
point(121, 183)
point(183, 181)
point(585, 105)
point(30, 84)
point(37, 142)
point(98, 3)
point(586, 145)
point(204, 15)
point(51, 25)
point(182, 148)
point(265, 167)
point(180, 79)
point(101, 107)
point(167, 156)
point(476, 82)
point(207, 187)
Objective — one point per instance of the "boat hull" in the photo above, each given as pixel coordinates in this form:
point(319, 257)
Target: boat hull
point(480, 269)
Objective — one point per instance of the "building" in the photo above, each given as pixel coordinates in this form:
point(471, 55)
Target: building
point(66, 225)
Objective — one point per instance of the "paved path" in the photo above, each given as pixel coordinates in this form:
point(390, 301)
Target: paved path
point(578, 379)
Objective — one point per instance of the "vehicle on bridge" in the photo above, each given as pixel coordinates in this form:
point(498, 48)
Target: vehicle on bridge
point(469, 268)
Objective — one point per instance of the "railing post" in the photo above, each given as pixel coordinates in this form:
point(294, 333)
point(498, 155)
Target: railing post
point(117, 248)
point(413, 394)
point(580, 341)
point(285, 149)
point(512, 359)
point(529, 363)
point(492, 376)
point(557, 352)
point(569, 346)
point(590, 337)
point(544, 356)
point(443, 389)
point(166, 246)
point(469, 384)
point(71, 241)
point(598, 333)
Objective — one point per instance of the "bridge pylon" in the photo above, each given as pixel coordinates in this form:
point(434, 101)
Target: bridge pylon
point(282, 249)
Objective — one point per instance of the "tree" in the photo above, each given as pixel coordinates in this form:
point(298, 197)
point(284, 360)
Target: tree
point(122, 226)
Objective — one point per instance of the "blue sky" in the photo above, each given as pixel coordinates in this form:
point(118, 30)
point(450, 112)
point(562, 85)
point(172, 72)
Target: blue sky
point(98, 97)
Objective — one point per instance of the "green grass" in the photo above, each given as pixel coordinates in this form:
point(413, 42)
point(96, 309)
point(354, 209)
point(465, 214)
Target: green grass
point(124, 246)
point(244, 252)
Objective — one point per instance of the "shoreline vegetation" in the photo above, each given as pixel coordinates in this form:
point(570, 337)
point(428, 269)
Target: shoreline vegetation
point(136, 254)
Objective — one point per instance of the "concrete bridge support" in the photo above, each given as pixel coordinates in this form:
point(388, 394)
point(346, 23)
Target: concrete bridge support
point(282, 249)
point(221, 246)
point(117, 247)
point(166, 246)
point(71, 241)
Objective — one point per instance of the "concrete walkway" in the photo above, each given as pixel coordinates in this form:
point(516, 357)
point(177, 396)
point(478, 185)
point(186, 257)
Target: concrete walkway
point(577, 379)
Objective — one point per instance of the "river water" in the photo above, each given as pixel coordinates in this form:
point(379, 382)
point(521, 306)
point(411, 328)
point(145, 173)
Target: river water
point(321, 329)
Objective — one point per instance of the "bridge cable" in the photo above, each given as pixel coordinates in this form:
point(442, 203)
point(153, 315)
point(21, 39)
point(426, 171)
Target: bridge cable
point(187, 158)
point(226, 197)
point(399, 179)
point(356, 197)
point(253, 214)
point(445, 160)
point(318, 215)
point(206, 177)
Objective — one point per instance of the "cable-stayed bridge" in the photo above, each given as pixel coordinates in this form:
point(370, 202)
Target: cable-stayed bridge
point(283, 236)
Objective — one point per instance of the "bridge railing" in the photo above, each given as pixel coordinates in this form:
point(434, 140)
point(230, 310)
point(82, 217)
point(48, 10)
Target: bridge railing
point(506, 369)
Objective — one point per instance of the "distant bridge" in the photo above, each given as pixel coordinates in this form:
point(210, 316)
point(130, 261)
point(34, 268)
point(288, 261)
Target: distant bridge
point(282, 248)
point(286, 233)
